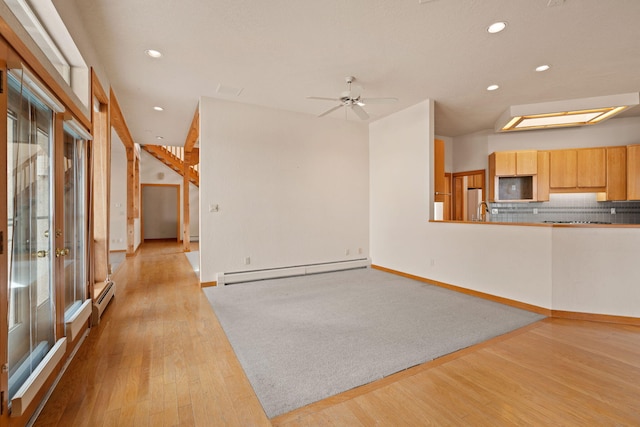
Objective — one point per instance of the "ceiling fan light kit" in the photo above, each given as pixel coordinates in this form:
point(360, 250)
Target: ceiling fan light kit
point(354, 101)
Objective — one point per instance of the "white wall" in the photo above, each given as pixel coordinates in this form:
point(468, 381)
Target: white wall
point(512, 262)
point(153, 171)
point(595, 270)
point(400, 156)
point(291, 188)
point(118, 211)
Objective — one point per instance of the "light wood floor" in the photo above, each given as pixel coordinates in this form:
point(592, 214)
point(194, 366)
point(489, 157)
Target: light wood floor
point(159, 357)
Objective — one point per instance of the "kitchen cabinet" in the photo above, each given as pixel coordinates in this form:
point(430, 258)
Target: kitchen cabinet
point(592, 167)
point(563, 165)
point(513, 175)
point(633, 172)
point(616, 188)
point(475, 181)
point(515, 163)
point(543, 176)
point(577, 169)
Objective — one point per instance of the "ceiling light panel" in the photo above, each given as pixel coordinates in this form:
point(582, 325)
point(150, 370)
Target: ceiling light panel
point(576, 112)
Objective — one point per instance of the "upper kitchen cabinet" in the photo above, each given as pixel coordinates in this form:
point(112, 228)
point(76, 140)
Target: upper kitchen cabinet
point(578, 169)
point(513, 176)
point(616, 175)
point(543, 176)
point(633, 172)
point(515, 163)
point(592, 167)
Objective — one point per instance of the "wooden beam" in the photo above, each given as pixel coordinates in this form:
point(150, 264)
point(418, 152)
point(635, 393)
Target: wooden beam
point(194, 159)
point(118, 122)
point(131, 199)
point(101, 156)
point(186, 238)
point(194, 132)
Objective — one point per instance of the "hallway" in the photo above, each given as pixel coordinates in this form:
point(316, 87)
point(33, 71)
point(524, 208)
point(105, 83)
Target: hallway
point(158, 356)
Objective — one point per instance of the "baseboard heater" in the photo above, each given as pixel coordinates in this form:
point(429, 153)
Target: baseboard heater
point(101, 303)
point(301, 270)
point(27, 392)
point(75, 323)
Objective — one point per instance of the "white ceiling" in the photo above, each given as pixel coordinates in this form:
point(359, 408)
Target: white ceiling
point(281, 51)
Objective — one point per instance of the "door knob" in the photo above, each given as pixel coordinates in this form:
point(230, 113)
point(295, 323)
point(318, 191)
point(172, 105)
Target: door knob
point(42, 254)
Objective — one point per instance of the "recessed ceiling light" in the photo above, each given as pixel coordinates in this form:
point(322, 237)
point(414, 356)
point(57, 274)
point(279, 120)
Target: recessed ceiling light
point(158, 108)
point(493, 87)
point(153, 53)
point(159, 137)
point(544, 67)
point(496, 27)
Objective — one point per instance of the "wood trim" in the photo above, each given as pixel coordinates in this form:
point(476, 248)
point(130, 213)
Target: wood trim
point(501, 300)
point(208, 284)
point(560, 314)
point(592, 317)
point(4, 261)
point(59, 222)
point(43, 74)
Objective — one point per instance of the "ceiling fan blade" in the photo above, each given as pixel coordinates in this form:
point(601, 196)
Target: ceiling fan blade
point(378, 100)
point(359, 111)
point(320, 98)
point(330, 110)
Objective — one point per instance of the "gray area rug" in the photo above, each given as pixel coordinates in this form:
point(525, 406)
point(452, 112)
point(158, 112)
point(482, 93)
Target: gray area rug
point(302, 339)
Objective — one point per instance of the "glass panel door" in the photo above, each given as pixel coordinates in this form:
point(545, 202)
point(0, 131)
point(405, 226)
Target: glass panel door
point(30, 232)
point(75, 224)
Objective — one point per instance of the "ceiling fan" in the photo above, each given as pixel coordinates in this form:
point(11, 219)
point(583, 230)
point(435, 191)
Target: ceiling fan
point(353, 100)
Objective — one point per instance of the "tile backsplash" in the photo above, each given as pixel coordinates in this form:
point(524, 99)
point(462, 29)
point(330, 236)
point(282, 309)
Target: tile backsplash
point(567, 207)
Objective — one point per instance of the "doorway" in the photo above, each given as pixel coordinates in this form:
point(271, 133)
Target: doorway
point(160, 211)
point(468, 192)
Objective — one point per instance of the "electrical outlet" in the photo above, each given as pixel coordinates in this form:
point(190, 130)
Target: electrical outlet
point(613, 211)
point(535, 211)
point(494, 211)
point(247, 260)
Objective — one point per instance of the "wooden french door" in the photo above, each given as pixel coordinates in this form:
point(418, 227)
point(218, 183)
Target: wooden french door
point(43, 237)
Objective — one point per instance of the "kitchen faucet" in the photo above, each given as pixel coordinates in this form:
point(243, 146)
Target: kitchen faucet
point(482, 213)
